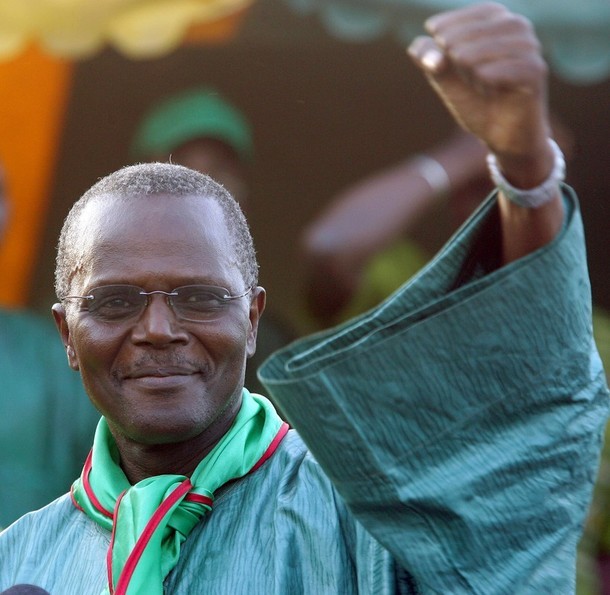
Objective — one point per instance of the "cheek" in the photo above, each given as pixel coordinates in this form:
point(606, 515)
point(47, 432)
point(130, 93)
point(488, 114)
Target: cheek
point(95, 349)
point(230, 342)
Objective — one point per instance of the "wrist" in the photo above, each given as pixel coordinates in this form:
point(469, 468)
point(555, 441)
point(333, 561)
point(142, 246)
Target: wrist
point(530, 184)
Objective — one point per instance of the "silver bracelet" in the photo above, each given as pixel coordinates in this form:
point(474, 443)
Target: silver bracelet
point(433, 172)
point(530, 198)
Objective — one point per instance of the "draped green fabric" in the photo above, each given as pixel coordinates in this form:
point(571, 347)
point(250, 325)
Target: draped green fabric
point(466, 409)
point(151, 519)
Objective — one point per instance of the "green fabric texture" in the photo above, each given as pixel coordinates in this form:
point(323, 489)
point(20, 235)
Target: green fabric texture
point(596, 535)
point(251, 434)
point(494, 399)
point(196, 113)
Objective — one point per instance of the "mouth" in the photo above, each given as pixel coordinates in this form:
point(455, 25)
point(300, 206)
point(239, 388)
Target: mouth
point(159, 372)
point(162, 380)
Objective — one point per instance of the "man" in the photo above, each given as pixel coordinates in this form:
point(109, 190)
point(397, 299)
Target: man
point(48, 422)
point(455, 429)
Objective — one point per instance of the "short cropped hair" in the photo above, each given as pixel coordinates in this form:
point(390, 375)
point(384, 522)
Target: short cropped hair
point(137, 182)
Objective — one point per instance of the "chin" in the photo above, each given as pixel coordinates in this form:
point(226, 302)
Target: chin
point(175, 420)
point(160, 428)
point(166, 433)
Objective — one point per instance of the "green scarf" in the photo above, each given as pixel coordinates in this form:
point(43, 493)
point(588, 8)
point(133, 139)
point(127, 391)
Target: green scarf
point(151, 519)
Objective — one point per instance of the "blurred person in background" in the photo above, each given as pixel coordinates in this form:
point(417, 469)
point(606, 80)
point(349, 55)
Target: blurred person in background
point(381, 230)
point(47, 420)
point(361, 246)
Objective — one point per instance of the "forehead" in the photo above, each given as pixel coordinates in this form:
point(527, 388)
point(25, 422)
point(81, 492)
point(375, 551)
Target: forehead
point(156, 238)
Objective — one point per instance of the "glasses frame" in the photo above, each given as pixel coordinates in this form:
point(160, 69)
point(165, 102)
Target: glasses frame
point(228, 297)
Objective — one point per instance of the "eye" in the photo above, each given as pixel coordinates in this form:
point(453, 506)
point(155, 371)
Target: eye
point(200, 298)
point(114, 302)
point(111, 303)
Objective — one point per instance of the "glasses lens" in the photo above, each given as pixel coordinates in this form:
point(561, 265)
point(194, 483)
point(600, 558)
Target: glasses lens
point(116, 302)
point(200, 302)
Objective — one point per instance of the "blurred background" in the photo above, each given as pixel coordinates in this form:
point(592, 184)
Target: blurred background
point(327, 87)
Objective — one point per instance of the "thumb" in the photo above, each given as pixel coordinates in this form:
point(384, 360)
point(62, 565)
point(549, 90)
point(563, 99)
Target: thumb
point(428, 56)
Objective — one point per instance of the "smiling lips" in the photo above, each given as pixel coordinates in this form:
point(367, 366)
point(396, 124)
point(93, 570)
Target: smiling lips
point(160, 372)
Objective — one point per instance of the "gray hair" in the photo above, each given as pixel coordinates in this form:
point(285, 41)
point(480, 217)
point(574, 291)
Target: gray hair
point(136, 182)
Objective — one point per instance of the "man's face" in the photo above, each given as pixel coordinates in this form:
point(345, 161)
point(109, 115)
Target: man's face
point(157, 378)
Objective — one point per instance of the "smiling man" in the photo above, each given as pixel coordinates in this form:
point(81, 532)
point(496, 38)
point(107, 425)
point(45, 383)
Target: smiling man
point(172, 311)
point(452, 433)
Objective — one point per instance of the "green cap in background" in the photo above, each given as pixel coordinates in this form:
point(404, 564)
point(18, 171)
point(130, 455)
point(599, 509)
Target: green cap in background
point(196, 113)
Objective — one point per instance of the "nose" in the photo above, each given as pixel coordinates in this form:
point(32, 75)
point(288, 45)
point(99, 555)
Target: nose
point(158, 325)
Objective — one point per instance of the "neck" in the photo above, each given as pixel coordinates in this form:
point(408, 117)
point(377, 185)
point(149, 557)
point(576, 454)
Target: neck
point(140, 461)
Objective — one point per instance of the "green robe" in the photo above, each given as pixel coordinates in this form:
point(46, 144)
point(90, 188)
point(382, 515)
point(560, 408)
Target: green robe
point(455, 433)
point(461, 419)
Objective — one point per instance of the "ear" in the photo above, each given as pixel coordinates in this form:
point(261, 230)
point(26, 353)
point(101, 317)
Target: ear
point(59, 316)
point(257, 307)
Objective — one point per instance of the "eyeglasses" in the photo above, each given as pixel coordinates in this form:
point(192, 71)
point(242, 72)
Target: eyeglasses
point(120, 303)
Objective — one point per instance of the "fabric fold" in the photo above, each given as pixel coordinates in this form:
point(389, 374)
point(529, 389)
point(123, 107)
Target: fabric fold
point(466, 418)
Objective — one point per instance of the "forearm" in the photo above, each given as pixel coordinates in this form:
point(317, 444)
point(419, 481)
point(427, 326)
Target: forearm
point(487, 66)
point(365, 218)
point(525, 230)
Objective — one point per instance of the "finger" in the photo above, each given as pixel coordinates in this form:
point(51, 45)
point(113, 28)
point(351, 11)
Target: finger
point(477, 47)
point(515, 74)
point(488, 49)
point(427, 55)
point(505, 30)
point(459, 32)
point(437, 66)
point(480, 13)
point(493, 62)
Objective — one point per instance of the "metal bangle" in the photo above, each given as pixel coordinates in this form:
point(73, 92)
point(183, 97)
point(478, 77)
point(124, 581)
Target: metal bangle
point(530, 198)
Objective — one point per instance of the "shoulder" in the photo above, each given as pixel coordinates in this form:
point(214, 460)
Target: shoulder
point(38, 530)
point(34, 532)
point(54, 531)
point(292, 447)
point(34, 525)
point(292, 455)
point(293, 478)
point(40, 542)
point(290, 473)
